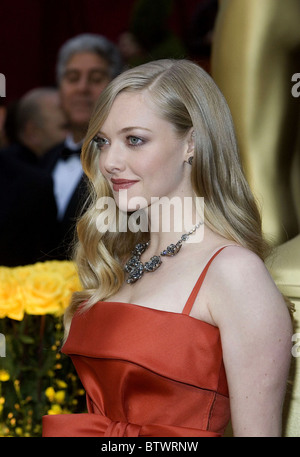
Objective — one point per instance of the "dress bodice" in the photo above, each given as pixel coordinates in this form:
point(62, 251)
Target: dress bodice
point(146, 372)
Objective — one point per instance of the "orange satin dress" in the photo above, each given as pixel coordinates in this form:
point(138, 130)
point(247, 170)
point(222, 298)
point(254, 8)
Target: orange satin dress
point(146, 372)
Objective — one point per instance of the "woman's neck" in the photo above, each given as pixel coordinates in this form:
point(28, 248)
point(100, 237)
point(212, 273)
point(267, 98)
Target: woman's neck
point(170, 219)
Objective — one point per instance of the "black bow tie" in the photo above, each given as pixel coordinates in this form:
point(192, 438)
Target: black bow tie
point(66, 153)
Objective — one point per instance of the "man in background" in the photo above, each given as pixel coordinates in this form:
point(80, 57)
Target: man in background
point(27, 206)
point(40, 121)
point(85, 66)
point(37, 124)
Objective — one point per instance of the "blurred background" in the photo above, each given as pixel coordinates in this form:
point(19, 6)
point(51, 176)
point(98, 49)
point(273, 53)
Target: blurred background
point(252, 50)
point(32, 31)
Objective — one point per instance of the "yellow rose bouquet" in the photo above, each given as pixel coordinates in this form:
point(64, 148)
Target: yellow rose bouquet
point(35, 378)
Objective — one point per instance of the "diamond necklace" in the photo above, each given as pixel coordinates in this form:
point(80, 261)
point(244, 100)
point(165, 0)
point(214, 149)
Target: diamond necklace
point(135, 268)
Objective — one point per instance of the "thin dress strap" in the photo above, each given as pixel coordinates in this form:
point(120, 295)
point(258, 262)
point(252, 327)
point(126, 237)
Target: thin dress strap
point(191, 300)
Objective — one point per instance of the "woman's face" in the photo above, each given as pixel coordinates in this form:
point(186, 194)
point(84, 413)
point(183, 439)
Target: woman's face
point(141, 155)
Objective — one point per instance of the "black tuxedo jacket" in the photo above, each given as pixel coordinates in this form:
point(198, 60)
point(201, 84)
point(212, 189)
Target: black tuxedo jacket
point(27, 211)
point(66, 232)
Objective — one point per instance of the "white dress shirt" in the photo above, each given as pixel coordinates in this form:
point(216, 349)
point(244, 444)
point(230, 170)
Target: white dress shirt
point(66, 175)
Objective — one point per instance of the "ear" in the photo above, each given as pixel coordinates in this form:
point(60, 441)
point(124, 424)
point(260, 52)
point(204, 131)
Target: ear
point(32, 135)
point(29, 130)
point(190, 144)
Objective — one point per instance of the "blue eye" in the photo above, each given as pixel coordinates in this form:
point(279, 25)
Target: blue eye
point(134, 140)
point(100, 141)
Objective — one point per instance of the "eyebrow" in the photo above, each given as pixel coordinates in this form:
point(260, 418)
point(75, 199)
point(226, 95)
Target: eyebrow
point(127, 129)
point(124, 130)
point(74, 70)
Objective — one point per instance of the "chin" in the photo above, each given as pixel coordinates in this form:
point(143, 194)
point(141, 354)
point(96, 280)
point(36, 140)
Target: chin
point(130, 204)
point(80, 117)
point(80, 124)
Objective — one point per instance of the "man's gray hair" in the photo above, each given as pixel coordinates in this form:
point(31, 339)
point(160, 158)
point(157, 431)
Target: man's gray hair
point(89, 42)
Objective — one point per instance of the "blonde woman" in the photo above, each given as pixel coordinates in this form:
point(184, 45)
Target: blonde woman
point(179, 327)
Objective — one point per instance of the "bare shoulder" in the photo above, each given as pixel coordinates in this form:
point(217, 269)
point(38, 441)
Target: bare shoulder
point(244, 287)
point(237, 267)
point(256, 331)
point(236, 260)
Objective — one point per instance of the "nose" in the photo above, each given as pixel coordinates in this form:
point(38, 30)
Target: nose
point(112, 160)
point(83, 84)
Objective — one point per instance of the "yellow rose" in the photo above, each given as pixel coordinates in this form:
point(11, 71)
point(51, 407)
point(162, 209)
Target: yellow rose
point(2, 401)
point(56, 409)
point(41, 288)
point(72, 282)
point(61, 384)
point(50, 394)
point(11, 296)
point(4, 376)
point(57, 397)
point(49, 287)
point(60, 396)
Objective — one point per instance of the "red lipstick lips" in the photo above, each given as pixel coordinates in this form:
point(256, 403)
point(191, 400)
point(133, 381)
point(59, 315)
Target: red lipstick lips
point(119, 184)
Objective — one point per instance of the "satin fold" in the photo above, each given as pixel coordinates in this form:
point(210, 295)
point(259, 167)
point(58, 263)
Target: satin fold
point(95, 425)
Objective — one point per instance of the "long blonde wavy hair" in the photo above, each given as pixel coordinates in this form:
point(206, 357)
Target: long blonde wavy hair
point(185, 95)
